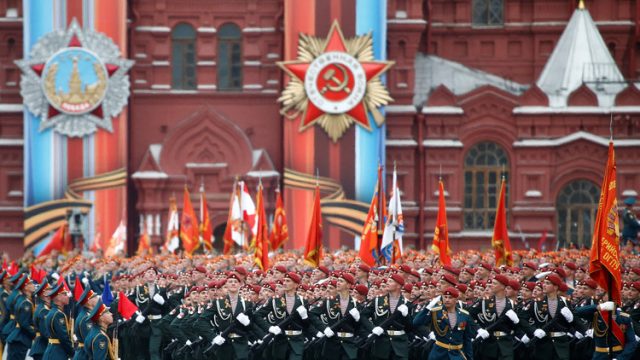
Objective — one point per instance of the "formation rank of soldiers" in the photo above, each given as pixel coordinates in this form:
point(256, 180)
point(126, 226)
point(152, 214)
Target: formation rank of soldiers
point(193, 311)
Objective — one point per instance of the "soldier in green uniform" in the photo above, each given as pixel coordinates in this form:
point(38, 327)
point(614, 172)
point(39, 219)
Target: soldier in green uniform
point(85, 303)
point(453, 328)
point(43, 306)
point(289, 340)
point(391, 342)
point(100, 347)
point(340, 340)
point(150, 299)
point(22, 335)
point(619, 341)
point(60, 346)
point(497, 312)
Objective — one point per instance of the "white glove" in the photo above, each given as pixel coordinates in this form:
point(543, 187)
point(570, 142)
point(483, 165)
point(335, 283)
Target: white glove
point(85, 281)
point(275, 330)
point(158, 298)
point(188, 343)
point(608, 306)
point(589, 333)
point(55, 276)
point(328, 332)
point(525, 339)
point(302, 312)
point(637, 338)
point(377, 331)
point(355, 314)
point(433, 303)
point(319, 334)
point(404, 310)
point(432, 336)
point(567, 314)
point(139, 319)
point(512, 316)
point(482, 333)
point(578, 335)
point(539, 333)
point(219, 340)
point(75, 338)
point(243, 319)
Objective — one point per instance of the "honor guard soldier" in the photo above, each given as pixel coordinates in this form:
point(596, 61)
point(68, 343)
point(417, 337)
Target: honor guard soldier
point(452, 326)
point(100, 347)
point(43, 305)
point(289, 340)
point(150, 299)
point(10, 301)
point(82, 325)
point(618, 341)
point(341, 316)
point(60, 346)
point(388, 319)
point(552, 321)
point(20, 338)
point(497, 319)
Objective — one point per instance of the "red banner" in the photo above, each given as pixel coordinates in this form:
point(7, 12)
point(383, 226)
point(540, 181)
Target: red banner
point(261, 239)
point(604, 265)
point(500, 241)
point(441, 232)
point(313, 249)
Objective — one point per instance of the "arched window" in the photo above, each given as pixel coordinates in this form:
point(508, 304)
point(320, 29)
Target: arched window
point(488, 12)
point(484, 165)
point(183, 57)
point(576, 206)
point(229, 57)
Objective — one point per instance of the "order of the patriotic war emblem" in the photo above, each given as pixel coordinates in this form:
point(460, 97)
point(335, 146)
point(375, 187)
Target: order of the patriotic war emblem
point(75, 81)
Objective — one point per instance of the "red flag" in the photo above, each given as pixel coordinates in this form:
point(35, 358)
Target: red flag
point(125, 307)
point(542, 240)
point(261, 239)
point(78, 290)
point(228, 231)
point(369, 244)
point(206, 231)
point(313, 248)
point(4, 264)
point(500, 241)
point(64, 284)
point(144, 243)
point(13, 268)
point(58, 241)
point(441, 232)
point(189, 232)
point(604, 266)
point(280, 231)
point(37, 274)
point(172, 241)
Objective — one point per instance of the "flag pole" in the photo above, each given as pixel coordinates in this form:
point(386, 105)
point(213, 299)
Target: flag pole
point(610, 277)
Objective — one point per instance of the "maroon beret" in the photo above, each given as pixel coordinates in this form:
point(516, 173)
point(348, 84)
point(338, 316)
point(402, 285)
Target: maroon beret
point(590, 283)
point(469, 270)
point(408, 287)
point(502, 279)
point(554, 279)
point(362, 289)
point(232, 275)
point(281, 269)
point(398, 278)
point(364, 267)
point(293, 276)
point(451, 291)
point(269, 285)
point(415, 273)
point(530, 285)
point(201, 269)
point(462, 288)
point(405, 268)
point(451, 269)
point(635, 285)
point(514, 284)
point(486, 266)
point(531, 265)
point(571, 266)
point(560, 271)
point(348, 278)
point(241, 270)
point(324, 269)
point(450, 279)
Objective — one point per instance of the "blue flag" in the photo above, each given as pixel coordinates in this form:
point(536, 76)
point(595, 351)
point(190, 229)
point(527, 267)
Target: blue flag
point(107, 296)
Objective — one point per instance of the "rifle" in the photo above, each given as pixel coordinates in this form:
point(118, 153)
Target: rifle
point(490, 328)
point(224, 334)
point(545, 328)
point(188, 348)
point(334, 327)
point(267, 339)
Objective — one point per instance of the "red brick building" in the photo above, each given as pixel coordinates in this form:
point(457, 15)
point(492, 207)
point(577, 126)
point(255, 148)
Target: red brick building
point(472, 103)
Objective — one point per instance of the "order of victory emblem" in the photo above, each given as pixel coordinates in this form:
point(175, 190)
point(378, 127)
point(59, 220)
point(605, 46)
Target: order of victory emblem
point(75, 81)
point(334, 82)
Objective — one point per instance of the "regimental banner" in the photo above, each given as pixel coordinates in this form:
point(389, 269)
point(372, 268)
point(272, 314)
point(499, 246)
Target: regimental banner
point(75, 90)
point(335, 82)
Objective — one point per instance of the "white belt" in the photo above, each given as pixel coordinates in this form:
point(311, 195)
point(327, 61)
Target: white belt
point(154, 317)
point(233, 336)
point(557, 334)
point(292, 332)
point(500, 333)
point(344, 334)
point(395, 332)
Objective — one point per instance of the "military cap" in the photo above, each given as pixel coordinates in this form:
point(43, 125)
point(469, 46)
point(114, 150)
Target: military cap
point(362, 289)
point(293, 276)
point(451, 291)
point(554, 279)
point(269, 286)
point(571, 265)
point(364, 267)
point(85, 296)
point(450, 279)
point(531, 265)
point(398, 278)
point(348, 278)
point(22, 282)
point(405, 268)
point(462, 288)
point(635, 285)
point(97, 311)
point(59, 288)
point(590, 283)
point(514, 284)
point(451, 269)
point(502, 279)
point(530, 285)
point(408, 287)
point(630, 201)
point(281, 269)
point(42, 287)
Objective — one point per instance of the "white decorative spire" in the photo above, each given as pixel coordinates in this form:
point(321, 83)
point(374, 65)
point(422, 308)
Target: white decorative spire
point(581, 57)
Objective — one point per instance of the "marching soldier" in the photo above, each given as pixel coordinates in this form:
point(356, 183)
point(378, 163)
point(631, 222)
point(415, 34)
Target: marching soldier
point(22, 335)
point(150, 299)
point(10, 301)
point(289, 340)
point(43, 305)
point(453, 327)
point(618, 342)
point(60, 346)
point(387, 317)
point(342, 321)
point(85, 303)
point(100, 347)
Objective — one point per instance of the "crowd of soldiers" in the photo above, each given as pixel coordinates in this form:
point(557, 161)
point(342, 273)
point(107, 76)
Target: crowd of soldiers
point(203, 307)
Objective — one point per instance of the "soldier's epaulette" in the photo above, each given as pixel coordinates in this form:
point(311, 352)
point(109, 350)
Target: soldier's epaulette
point(463, 311)
point(436, 308)
point(624, 314)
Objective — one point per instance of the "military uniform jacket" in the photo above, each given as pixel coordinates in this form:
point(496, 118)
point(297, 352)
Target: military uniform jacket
point(220, 316)
point(539, 317)
point(42, 335)
point(502, 328)
point(82, 327)
point(375, 314)
point(603, 338)
point(60, 346)
point(326, 314)
point(274, 312)
point(10, 321)
point(145, 302)
point(100, 347)
point(24, 330)
point(451, 342)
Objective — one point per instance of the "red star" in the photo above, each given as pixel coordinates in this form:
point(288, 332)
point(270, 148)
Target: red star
point(335, 42)
point(74, 42)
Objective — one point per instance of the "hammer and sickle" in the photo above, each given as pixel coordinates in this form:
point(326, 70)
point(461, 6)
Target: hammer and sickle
point(330, 75)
